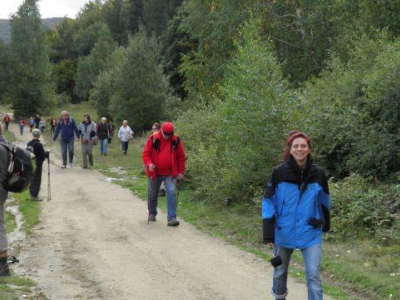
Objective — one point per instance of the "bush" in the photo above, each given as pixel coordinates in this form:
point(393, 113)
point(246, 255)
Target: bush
point(362, 207)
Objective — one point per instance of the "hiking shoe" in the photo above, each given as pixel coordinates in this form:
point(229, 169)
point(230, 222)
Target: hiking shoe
point(63, 166)
point(71, 165)
point(152, 218)
point(173, 222)
point(85, 167)
point(35, 198)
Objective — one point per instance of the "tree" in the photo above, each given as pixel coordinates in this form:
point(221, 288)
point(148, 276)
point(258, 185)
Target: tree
point(29, 89)
point(214, 25)
point(90, 66)
point(113, 16)
point(241, 137)
point(155, 16)
point(136, 86)
point(4, 69)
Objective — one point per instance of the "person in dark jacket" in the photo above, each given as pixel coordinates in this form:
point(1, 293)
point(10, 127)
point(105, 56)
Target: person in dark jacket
point(4, 163)
point(103, 134)
point(40, 156)
point(295, 212)
point(68, 127)
point(164, 159)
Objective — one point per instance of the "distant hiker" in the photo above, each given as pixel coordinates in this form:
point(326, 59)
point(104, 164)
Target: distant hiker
point(31, 123)
point(7, 120)
point(103, 132)
point(4, 163)
point(21, 126)
point(295, 212)
point(42, 125)
point(111, 129)
point(161, 193)
point(68, 127)
point(156, 127)
point(88, 133)
point(125, 134)
point(40, 156)
point(37, 121)
point(164, 159)
point(53, 124)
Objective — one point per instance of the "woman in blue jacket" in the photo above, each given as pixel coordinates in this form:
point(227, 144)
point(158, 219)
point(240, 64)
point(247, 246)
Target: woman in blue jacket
point(295, 212)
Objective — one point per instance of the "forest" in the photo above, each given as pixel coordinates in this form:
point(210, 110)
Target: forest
point(236, 77)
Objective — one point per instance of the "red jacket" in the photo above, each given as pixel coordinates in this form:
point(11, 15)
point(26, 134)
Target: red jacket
point(151, 153)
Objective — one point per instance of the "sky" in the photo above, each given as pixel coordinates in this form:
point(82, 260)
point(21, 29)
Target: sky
point(47, 8)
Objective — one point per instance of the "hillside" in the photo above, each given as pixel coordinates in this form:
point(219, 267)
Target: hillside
point(5, 27)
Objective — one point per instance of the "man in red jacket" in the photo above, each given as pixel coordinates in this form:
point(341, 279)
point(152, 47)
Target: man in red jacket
point(164, 158)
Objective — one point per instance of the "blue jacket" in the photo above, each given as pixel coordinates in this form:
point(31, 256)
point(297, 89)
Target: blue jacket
point(295, 207)
point(67, 130)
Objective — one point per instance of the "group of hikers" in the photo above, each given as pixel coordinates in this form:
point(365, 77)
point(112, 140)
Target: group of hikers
point(37, 122)
point(295, 207)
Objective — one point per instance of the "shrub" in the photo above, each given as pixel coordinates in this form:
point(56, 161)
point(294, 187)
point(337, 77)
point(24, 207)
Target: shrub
point(362, 207)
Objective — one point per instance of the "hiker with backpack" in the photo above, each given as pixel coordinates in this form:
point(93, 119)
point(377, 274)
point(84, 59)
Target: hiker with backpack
point(40, 156)
point(4, 163)
point(164, 159)
point(68, 127)
point(88, 133)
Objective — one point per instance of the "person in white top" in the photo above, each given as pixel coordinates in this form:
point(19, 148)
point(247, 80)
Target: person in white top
point(125, 133)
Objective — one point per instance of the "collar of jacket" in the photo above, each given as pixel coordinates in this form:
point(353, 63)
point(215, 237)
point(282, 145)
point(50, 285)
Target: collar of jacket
point(302, 175)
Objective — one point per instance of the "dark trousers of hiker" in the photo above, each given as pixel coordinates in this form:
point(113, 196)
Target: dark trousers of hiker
point(34, 188)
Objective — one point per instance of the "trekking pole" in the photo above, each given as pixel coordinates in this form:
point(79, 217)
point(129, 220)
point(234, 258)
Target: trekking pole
point(48, 179)
point(179, 188)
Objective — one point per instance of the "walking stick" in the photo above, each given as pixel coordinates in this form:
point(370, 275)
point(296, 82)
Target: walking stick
point(179, 188)
point(48, 179)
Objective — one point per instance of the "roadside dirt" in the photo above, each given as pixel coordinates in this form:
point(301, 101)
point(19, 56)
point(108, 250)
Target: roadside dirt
point(93, 242)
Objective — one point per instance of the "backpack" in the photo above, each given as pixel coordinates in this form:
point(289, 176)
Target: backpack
point(20, 170)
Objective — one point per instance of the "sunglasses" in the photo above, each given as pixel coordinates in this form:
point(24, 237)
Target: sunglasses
point(168, 133)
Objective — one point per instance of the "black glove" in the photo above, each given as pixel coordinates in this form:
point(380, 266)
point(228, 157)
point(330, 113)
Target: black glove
point(47, 154)
point(268, 230)
point(316, 223)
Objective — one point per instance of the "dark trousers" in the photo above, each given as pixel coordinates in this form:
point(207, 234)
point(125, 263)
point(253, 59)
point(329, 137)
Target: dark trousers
point(124, 146)
point(34, 188)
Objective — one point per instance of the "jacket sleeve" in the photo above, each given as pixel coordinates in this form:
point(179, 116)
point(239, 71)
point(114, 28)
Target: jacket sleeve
point(120, 132)
point(147, 151)
point(324, 203)
point(268, 210)
point(56, 131)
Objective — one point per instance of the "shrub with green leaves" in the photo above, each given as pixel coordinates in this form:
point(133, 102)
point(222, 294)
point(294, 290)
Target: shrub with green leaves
point(363, 208)
point(353, 111)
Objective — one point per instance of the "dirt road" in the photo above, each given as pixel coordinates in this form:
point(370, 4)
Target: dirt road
point(93, 242)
